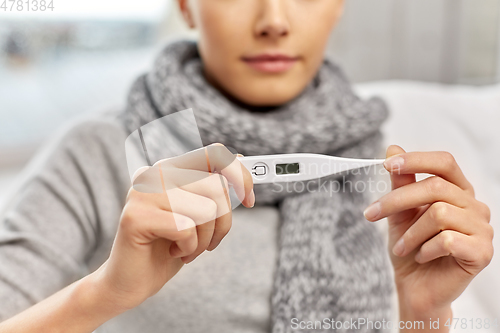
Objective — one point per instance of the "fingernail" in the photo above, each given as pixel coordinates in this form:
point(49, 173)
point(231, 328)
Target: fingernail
point(251, 198)
point(394, 162)
point(399, 247)
point(372, 211)
point(417, 256)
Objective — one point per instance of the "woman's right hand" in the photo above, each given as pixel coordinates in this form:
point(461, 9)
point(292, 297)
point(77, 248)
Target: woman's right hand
point(158, 234)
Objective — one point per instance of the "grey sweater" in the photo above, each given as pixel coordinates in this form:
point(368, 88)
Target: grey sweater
point(60, 222)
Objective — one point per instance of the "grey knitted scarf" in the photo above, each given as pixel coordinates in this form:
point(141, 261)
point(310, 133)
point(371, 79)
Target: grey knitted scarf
point(332, 263)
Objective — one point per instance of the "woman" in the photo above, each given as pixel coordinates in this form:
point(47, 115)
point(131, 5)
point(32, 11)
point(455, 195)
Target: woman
point(258, 81)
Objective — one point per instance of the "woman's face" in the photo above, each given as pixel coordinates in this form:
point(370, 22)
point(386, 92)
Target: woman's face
point(262, 52)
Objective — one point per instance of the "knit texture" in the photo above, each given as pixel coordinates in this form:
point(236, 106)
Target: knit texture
point(332, 262)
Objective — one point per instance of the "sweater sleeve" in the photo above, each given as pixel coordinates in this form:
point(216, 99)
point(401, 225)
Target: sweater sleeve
point(60, 222)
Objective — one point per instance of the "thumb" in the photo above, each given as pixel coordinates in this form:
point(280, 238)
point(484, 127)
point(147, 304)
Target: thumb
point(397, 179)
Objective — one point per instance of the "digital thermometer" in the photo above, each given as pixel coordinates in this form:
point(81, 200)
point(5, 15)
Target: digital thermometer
point(300, 166)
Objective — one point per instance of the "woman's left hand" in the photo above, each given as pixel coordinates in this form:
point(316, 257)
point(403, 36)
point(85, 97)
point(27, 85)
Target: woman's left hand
point(439, 234)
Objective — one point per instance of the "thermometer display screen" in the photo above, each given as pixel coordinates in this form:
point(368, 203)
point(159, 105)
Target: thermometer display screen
point(287, 168)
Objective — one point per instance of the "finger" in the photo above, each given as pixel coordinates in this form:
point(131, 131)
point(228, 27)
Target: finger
point(224, 220)
point(447, 243)
point(217, 158)
point(184, 246)
point(215, 187)
point(469, 251)
point(176, 171)
point(398, 180)
point(438, 217)
point(236, 173)
point(205, 234)
point(210, 159)
point(438, 163)
point(146, 224)
point(222, 226)
point(417, 194)
point(199, 208)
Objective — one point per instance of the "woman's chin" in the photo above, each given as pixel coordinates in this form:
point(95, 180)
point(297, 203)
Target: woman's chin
point(260, 90)
point(266, 96)
point(260, 100)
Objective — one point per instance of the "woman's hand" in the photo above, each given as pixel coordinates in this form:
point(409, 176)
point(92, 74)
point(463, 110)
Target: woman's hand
point(439, 234)
point(156, 236)
point(159, 233)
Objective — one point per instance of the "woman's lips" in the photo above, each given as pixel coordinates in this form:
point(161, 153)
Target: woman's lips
point(271, 63)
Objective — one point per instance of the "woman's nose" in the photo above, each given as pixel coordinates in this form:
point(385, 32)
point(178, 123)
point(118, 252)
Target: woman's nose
point(272, 21)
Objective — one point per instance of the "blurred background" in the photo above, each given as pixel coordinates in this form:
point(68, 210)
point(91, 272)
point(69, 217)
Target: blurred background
point(82, 56)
